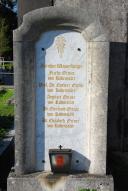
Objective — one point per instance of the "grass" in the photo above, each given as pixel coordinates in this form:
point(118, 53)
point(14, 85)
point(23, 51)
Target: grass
point(5, 108)
point(6, 111)
point(7, 66)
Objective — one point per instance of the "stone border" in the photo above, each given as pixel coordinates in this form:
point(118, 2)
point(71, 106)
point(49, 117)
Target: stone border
point(61, 18)
point(47, 181)
point(34, 24)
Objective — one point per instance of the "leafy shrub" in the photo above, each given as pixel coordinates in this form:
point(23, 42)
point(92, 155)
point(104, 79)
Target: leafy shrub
point(2, 91)
point(2, 133)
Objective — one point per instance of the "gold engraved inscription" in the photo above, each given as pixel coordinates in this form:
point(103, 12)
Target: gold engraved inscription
point(62, 108)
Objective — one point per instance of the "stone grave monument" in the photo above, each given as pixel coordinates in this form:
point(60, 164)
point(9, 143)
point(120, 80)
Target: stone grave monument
point(61, 57)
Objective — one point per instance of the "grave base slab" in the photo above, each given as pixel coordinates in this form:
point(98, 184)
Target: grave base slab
point(59, 182)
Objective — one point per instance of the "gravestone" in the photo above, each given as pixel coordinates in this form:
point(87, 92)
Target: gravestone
point(60, 111)
point(61, 60)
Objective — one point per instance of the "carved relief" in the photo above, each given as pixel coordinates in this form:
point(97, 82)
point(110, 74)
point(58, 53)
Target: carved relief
point(60, 45)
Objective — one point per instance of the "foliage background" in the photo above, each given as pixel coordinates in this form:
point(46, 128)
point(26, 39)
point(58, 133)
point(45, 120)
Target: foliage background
point(8, 22)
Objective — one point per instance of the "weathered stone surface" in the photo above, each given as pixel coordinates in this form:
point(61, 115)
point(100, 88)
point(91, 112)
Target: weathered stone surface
point(112, 13)
point(99, 56)
point(47, 181)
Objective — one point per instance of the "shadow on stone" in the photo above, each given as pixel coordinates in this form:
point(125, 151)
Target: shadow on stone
point(79, 160)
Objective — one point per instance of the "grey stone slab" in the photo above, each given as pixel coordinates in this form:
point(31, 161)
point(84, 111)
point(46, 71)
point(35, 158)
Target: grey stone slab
point(51, 18)
point(98, 68)
point(24, 139)
point(50, 182)
point(112, 13)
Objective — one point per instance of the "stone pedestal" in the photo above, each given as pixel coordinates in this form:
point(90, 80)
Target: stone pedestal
point(47, 181)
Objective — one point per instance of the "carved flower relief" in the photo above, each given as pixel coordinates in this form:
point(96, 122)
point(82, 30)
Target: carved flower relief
point(60, 44)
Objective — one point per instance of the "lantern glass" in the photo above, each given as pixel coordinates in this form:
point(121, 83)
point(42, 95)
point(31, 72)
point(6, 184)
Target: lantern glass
point(60, 160)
